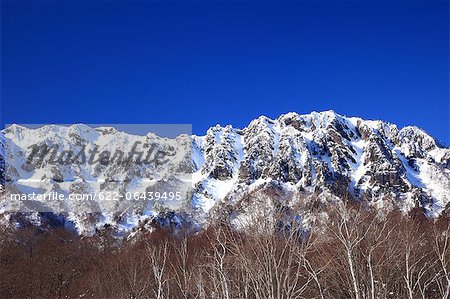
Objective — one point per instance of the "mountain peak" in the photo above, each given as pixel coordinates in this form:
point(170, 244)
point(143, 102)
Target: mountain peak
point(321, 155)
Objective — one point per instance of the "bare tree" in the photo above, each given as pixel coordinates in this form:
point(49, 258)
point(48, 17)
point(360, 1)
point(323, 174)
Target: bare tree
point(346, 227)
point(158, 256)
point(355, 253)
point(181, 266)
point(416, 258)
point(441, 249)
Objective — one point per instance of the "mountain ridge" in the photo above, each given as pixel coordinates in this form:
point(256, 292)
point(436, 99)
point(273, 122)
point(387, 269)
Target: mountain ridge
point(282, 161)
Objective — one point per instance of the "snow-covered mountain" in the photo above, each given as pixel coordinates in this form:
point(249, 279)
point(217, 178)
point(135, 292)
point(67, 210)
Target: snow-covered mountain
point(296, 162)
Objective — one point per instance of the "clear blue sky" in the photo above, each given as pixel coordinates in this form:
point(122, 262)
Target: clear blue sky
point(224, 62)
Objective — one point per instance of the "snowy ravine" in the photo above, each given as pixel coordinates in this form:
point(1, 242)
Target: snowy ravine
point(298, 162)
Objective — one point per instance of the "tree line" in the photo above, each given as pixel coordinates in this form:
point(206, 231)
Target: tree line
point(355, 253)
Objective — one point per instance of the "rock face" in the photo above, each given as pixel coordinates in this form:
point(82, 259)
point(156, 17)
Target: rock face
point(298, 162)
point(322, 154)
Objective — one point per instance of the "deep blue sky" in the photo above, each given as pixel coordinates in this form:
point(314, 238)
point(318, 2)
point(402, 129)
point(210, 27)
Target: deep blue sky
point(225, 62)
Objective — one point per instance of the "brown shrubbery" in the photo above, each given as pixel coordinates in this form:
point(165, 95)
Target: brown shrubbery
point(356, 254)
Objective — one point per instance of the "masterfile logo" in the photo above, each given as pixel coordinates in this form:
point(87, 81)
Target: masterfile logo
point(51, 168)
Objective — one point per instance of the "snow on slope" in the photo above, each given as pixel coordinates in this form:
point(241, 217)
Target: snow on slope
point(322, 154)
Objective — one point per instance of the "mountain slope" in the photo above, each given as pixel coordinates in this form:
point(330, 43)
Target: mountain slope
point(295, 161)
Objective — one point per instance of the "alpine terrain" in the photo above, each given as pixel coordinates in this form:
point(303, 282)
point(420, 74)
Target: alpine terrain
point(297, 163)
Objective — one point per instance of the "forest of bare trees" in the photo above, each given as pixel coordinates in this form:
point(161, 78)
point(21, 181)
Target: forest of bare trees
point(356, 254)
